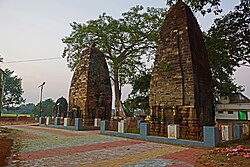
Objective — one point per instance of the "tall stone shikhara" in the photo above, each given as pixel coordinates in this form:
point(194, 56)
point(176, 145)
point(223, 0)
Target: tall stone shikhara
point(180, 87)
point(90, 91)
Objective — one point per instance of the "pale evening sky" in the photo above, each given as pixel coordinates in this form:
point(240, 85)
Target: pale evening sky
point(33, 29)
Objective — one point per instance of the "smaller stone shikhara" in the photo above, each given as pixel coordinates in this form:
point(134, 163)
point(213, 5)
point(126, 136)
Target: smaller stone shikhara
point(90, 94)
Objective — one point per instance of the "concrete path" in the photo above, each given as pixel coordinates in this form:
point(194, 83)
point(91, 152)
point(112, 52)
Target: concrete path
point(41, 146)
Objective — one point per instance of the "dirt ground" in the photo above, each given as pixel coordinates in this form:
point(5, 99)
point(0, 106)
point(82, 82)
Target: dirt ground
point(215, 157)
point(14, 122)
point(6, 143)
point(7, 138)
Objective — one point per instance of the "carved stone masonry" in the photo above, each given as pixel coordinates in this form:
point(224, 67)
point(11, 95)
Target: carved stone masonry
point(180, 86)
point(90, 91)
point(60, 108)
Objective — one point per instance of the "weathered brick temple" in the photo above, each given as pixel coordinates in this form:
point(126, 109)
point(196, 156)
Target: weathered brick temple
point(60, 108)
point(180, 87)
point(90, 91)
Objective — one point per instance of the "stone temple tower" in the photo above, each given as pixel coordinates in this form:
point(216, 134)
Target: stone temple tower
point(180, 86)
point(90, 93)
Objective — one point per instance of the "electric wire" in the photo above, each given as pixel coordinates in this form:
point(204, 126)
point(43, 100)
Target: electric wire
point(32, 60)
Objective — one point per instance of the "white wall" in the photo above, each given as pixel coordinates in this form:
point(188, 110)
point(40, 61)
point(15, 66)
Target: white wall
point(225, 115)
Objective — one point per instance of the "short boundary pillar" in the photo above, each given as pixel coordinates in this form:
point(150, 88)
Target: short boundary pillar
point(104, 126)
point(78, 123)
point(144, 129)
point(57, 120)
point(211, 136)
point(41, 120)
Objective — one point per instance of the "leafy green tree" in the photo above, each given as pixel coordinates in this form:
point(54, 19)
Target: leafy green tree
point(228, 47)
point(203, 6)
point(47, 108)
point(12, 96)
point(227, 44)
point(124, 41)
point(26, 108)
point(139, 96)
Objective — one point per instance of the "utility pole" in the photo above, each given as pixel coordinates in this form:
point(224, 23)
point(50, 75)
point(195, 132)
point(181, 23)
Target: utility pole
point(41, 97)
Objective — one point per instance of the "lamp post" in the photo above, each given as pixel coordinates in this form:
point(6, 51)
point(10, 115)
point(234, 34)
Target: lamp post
point(41, 96)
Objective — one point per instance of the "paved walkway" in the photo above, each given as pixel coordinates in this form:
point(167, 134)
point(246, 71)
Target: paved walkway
point(41, 146)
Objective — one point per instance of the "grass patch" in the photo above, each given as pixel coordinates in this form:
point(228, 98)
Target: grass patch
point(14, 115)
point(134, 130)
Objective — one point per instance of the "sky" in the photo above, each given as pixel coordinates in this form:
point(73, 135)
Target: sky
point(33, 29)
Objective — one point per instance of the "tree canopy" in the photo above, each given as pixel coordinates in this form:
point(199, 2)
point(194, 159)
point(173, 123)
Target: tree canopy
point(26, 108)
point(228, 47)
point(139, 96)
point(203, 6)
point(227, 43)
point(47, 108)
point(12, 96)
point(124, 41)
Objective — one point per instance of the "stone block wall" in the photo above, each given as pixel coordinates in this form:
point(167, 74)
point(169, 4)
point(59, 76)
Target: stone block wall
point(180, 87)
point(90, 91)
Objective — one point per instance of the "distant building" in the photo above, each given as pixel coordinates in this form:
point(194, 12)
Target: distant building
point(1, 89)
point(233, 114)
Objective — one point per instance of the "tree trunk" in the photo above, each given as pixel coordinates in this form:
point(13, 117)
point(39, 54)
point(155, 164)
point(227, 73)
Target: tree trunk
point(119, 111)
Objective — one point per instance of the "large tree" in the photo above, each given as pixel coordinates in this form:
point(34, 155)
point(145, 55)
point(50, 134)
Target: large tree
point(227, 44)
point(47, 108)
point(12, 95)
point(124, 41)
point(26, 108)
point(203, 6)
point(139, 96)
point(228, 47)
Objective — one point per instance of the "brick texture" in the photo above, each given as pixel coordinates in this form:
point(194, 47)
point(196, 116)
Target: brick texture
point(181, 77)
point(90, 91)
